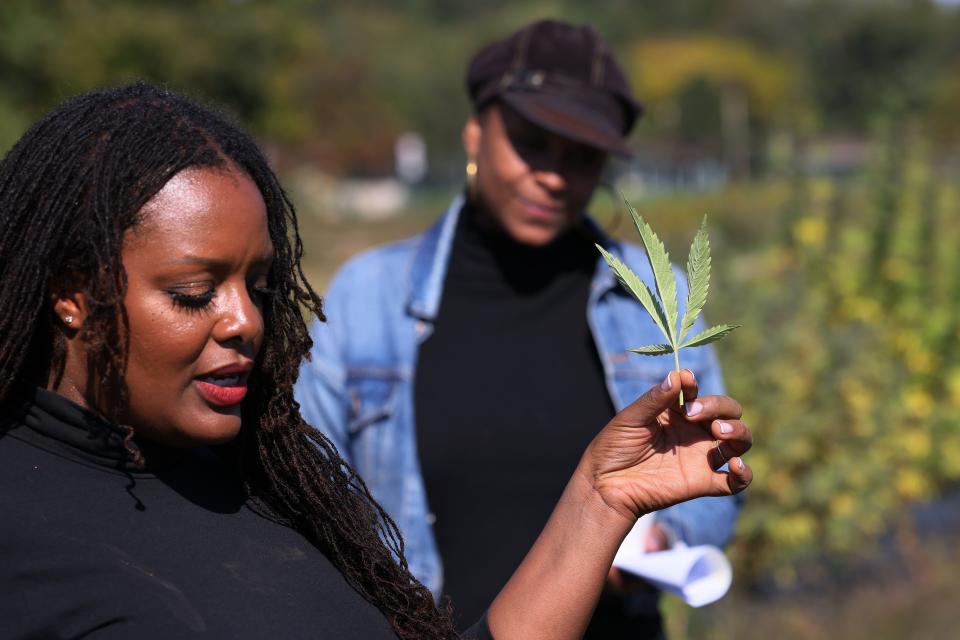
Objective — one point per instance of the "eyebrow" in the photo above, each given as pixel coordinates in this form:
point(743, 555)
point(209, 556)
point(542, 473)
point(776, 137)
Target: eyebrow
point(191, 259)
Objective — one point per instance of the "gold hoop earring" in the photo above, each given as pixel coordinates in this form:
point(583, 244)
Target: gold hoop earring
point(471, 180)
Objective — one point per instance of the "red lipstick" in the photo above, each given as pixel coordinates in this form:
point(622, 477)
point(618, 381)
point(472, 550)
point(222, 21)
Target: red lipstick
point(222, 396)
point(225, 386)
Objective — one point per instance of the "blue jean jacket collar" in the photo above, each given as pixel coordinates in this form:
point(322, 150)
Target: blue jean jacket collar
point(430, 264)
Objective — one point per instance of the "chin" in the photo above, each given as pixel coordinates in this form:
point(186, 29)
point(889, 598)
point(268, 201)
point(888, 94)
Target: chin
point(206, 430)
point(220, 431)
point(536, 231)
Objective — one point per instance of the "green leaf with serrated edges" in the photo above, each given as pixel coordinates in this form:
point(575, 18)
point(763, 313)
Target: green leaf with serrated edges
point(662, 272)
point(653, 350)
point(662, 305)
point(709, 335)
point(698, 279)
point(637, 288)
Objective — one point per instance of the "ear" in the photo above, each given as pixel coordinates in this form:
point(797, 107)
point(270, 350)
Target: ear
point(71, 308)
point(472, 134)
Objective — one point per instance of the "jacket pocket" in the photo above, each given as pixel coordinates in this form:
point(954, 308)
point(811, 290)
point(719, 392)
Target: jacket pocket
point(373, 397)
point(634, 377)
point(635, 374)
point(647, 371)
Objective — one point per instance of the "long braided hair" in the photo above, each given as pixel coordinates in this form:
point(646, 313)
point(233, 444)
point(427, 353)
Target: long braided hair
point(69, 189)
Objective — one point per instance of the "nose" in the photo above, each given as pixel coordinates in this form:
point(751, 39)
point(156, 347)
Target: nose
point(551, 179)
point(241, 320)
point(557, 165)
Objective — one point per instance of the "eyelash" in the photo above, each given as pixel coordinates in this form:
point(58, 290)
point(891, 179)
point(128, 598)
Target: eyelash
point(196, 303)
point(191, 303)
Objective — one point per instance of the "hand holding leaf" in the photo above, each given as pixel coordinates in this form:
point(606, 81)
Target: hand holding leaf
point(662, 305)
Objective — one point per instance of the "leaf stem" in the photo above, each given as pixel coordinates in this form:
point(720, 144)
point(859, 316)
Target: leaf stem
point(676, 361)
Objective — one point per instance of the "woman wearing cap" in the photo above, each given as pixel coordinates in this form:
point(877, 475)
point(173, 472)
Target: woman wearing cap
point(156, 478)
point(463, 371)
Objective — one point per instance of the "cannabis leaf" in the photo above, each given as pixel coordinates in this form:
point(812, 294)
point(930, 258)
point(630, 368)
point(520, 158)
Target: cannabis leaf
point(662, 306)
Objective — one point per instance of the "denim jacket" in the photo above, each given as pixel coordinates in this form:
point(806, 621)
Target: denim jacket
point(358, 386)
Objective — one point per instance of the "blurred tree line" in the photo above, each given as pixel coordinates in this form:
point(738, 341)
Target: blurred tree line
point(334, 83)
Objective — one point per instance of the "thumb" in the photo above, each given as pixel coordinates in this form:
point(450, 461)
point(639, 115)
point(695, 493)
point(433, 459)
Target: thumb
point(647, 407)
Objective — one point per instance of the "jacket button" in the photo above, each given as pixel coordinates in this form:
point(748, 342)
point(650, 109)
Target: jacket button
point(431, 518)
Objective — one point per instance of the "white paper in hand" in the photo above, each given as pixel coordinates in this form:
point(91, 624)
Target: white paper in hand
point(700, 575)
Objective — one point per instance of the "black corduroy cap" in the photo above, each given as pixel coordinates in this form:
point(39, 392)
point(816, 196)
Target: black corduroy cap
point(561, 77)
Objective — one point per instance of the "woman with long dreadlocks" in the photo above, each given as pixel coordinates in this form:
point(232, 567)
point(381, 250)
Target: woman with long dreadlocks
point(156, 478)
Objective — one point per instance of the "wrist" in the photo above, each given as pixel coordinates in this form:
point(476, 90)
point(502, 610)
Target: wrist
point(597, 503)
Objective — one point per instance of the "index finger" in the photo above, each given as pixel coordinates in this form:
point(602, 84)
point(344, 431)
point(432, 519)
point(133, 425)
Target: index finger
point(644, 410)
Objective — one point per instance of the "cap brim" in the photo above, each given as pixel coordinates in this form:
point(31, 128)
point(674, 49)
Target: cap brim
point(569, 120)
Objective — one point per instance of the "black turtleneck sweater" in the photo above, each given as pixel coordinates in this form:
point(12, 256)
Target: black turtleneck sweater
point(91, 547)
point(509, 391)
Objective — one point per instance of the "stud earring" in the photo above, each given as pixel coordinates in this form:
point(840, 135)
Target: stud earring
point(68, 319)
point(471, 172)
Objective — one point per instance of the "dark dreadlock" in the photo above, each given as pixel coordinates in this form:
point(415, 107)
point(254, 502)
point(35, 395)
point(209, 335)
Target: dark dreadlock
point(68, 190)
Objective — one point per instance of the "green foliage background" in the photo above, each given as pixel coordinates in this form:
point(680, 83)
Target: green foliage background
point(849, 291)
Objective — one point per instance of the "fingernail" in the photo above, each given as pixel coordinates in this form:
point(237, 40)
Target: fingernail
point(690, 371)
point(726, 427)
point(740, 464)
point(693, 408)
point(667, 383)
